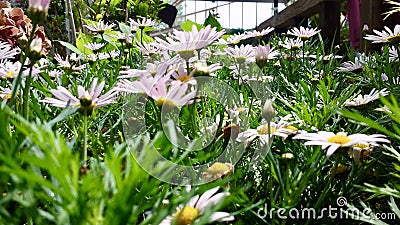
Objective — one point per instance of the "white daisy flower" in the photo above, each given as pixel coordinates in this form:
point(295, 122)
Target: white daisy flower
point(393, 54)
point(10, 70)
point(108, 55)
point(394, 9)
point(99, 27)
point(334, 141)
point(383, 109)
point(7, 52)
point(259, 34)
point(5, 93)
point(180, 75)
point(185, 50)
point(263, 54)
point(145, 85)
point(64, 63)
point(360, 151)
point(325, 58)
point(155, 69)
point(208, 34)
point(303, 33)
point(365, 99)
point(141, 23)
point(149, 49)
point(56, 73)
point(242, 53)
point(94, 46)
point(292, 44)
point(232, 39)
point(170, 96)
point(87, 99)
point(354, 67)
point(121, 37)
point(385, 36)
point(282, 129)
point(196, 206)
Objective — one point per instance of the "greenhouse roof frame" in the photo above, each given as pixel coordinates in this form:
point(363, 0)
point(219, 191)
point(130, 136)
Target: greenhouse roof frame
point(177, 2)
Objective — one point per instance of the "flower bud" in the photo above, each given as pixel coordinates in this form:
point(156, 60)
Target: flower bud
point(23, 40)
point(268, 112)
point(287, 156)
point(201, 69)
point(261, 56)
point(35, 49)
point(38, 10)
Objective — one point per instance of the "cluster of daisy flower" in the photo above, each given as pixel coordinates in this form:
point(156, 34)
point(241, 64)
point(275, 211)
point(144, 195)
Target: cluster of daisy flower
point(168, 79)
point(357, 145)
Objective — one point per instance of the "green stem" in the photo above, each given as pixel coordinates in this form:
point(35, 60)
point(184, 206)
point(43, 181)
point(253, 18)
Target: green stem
point(141, 42)
point(269, 135)
point(187, 68)
point(85, 128)
point(239, 75)
point(25, 101)
point(17, 81)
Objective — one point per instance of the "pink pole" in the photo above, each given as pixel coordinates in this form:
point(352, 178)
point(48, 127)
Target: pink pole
point(353, 16)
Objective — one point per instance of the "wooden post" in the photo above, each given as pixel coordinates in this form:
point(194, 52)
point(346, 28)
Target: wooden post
point(370, 15)
point(329, 15)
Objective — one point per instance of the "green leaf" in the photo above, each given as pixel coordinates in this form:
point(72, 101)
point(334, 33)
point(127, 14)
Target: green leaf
point(70, 47)
point(124, 28)
point(146, 38)
point(187, 26)
point(368, 122)
point(213, 22)
point(81, 41)
point(114, 3)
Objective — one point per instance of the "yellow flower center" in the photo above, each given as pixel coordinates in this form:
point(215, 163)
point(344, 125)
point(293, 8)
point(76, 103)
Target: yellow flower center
point(304, 37)
point(218, 168)
point(264, 130)
point(7, 96)
point(152, 53)
point(394, 39)
point(184, 78)
point(186, 54)
point(11, 74)
point(291, 128)
point(295, 47)
point(186, 216)
point(362, 146)
point(165, 103)
point(240, 59)
point(339, 139)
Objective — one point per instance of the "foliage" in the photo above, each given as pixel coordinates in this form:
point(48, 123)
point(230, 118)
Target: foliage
point(141, 155)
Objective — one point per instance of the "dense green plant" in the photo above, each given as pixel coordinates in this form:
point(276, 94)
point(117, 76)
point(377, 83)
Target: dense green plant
point(114, 164)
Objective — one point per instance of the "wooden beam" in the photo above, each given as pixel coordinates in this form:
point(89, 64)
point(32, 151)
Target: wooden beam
point(286, 18)
point(262, 1)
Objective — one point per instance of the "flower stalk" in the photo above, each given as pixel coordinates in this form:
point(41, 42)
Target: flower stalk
point(17, 81)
